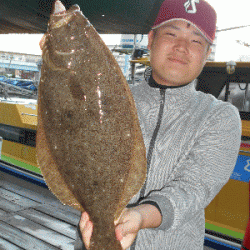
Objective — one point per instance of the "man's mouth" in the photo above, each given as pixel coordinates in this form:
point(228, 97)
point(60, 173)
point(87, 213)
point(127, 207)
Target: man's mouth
point(177, 60)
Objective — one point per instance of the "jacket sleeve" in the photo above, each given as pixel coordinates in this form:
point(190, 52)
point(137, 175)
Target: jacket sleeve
point(200, 175)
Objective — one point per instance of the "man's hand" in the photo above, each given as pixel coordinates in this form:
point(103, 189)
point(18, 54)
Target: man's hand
point(128, 224)
point(86, 228)
point(127, 227)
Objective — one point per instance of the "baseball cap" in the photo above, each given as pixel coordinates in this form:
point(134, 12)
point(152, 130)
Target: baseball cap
point(196, 12)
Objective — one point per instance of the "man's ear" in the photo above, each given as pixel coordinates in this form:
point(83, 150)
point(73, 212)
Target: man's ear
point(150, 38)
point(209, 50)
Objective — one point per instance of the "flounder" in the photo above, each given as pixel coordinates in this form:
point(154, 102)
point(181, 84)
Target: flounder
point(89, 144)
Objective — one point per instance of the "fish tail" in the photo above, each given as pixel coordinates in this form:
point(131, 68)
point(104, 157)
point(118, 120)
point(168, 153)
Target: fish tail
point(104, 240)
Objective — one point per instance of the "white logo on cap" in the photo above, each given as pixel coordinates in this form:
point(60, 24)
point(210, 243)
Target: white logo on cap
point(192, 3)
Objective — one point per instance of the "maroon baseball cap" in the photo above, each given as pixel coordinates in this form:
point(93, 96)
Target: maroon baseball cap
point(196, 12)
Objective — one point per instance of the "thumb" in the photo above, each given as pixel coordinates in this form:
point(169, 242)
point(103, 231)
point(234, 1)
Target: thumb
point(121, 230)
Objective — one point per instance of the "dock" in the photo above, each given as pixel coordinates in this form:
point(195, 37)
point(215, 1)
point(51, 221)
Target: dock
point(31, 217)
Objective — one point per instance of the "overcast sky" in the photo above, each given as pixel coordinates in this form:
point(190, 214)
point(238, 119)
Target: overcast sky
point(231, 13)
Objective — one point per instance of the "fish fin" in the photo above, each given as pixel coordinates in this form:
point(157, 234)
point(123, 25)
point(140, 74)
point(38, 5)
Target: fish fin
point(138, 171)
point(136, 180)
point(50, 171)
point(137, 175)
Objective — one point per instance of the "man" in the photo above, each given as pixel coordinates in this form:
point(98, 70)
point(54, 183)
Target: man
point(192, 139)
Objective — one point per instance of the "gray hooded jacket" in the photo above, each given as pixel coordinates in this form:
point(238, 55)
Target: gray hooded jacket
point(194, 153)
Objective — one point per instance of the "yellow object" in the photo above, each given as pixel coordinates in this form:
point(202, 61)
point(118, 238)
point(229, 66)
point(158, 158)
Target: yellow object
point(20, 152)
point(230, 208)
point(143, 60)
point(245, 128)
point(19, 115)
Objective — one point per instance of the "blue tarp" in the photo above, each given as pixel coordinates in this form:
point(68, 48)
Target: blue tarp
point(242, 169)
point(26, 84)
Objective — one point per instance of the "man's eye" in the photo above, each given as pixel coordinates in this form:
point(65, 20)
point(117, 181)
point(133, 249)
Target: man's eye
point(170, 34)
point(197, 41)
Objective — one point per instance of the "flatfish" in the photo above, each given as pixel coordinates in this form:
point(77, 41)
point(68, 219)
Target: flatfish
point(89, 144)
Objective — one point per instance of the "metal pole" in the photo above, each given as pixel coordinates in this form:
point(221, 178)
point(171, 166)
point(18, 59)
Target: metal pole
point(133, 64)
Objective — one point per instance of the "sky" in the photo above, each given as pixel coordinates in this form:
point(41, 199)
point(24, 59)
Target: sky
point(230, 13)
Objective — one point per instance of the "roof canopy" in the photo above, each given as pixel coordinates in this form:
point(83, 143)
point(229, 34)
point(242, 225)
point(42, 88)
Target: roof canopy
point(107, 16)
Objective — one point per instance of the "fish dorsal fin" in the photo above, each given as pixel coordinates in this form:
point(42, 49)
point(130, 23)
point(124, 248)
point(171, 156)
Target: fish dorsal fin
point(50, 171)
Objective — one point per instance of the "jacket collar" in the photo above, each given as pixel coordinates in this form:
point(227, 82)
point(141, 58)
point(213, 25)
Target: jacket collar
point(152, 83)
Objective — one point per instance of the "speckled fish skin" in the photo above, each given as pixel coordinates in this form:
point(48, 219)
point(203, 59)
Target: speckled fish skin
point(89, 143)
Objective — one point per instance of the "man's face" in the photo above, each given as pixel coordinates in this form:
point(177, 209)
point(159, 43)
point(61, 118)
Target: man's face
point(178, 53)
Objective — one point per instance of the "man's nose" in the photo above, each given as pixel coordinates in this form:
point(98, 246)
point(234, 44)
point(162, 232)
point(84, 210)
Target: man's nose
point(181, 45)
